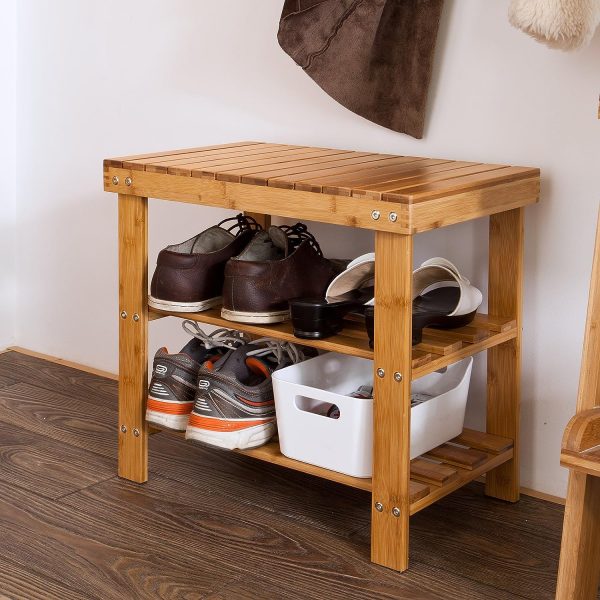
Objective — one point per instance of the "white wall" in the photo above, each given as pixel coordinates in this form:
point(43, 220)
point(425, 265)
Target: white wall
point(8, 107)
point(109, 78)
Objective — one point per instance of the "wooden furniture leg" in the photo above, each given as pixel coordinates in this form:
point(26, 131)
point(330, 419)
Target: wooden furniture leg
point(260, 218)
point(504, 361)
point(588, 395)
point(579, 569)
point(133, 343)
point(391, 418)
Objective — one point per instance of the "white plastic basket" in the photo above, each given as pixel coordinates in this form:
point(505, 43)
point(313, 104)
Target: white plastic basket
point(305, 392)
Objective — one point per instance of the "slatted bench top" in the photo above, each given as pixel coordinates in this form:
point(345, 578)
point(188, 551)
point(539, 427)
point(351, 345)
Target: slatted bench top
point(400, 182)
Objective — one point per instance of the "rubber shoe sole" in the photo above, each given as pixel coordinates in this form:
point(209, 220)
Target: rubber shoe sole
point(276, 316)
point(174, 422)
point(184, 307)
point(242, 439)
point(169, 415)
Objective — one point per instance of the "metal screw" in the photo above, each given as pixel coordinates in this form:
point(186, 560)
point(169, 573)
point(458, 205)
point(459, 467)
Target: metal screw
point(115, 180)
point(375, 215)
point(380, 372)
point(136, 432)
point(378, 507)
point(396, 511)
point(128, 181)
point(136, 317)
point(123, 429)
point(123, 314)
point(398, 376)
point(393, 217)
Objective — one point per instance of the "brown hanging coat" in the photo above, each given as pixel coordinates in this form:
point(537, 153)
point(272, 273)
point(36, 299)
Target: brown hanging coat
point(373, 56)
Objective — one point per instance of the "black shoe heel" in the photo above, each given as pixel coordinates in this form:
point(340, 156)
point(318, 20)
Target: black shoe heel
point(315, 318)
point(417, 333)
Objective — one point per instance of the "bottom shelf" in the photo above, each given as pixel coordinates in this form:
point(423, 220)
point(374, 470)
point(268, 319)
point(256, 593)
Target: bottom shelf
point(432, 476)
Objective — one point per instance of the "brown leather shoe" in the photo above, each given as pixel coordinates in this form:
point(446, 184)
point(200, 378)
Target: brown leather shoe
point(277, 266)
point(189, 276)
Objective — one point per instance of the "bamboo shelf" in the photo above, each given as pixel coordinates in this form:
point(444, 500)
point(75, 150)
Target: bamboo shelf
point(432, 476)
point(438, 349)
point(396, 197)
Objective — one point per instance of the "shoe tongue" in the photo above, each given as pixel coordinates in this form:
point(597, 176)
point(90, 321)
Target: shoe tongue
point(280, 239)
point(234, 363)
point(195, 350)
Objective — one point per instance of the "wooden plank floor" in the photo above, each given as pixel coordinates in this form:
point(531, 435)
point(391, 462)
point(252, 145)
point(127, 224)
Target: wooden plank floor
point(214, 525)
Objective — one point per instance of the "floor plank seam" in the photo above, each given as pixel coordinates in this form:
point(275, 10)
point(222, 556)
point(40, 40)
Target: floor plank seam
point(218, 494)
point(64, 386)
point(223, 588)
point(27, 490)
point(86, 487)
point(111, 406)
point(298, 520)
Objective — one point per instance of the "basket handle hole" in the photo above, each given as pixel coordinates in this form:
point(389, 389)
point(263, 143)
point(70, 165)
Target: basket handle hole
point(317, 407)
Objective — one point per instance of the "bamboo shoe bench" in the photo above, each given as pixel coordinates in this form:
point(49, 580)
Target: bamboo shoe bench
point(397, 197)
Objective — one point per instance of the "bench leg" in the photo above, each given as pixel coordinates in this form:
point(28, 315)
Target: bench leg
point(133, 344)
point(391, 419)
point(504, 361)
point(579, 569)
point(261, 218)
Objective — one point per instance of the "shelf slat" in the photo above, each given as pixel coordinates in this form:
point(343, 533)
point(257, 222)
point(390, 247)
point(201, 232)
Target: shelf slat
point(466, 458)
point(435, 473)
point(464, 476)
point(486, 442)
point(439, 349)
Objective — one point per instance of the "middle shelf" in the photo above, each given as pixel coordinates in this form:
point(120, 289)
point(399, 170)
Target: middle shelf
point(439, 348)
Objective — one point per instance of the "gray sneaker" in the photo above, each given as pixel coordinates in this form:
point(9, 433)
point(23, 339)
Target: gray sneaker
point(234, 405)
point(174, 376)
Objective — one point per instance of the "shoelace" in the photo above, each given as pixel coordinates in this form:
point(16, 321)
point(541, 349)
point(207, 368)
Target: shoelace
point(297, 233)
point(220, 338)
point(242, 223)
point(278, 348)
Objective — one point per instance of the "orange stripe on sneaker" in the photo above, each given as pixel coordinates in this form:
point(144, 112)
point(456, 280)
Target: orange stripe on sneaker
point(265, 403)
point(170, 408)
point(223, 424)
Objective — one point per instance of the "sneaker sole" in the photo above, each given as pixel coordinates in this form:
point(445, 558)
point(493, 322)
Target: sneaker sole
point(168, 414)
point(183, 307)
point(276, 316)
point(174, 422)
point(243, 439)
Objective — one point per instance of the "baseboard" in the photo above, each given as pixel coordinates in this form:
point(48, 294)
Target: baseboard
point(62, 361)
point(543, 496)
point(67, 363)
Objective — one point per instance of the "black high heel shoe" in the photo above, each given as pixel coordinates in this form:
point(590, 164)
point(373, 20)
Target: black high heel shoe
point(319, 318)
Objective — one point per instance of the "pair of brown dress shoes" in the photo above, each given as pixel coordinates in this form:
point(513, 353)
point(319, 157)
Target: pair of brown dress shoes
point(253, 273)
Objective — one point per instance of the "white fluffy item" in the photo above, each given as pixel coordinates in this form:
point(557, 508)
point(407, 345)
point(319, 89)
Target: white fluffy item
point(560, 24)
